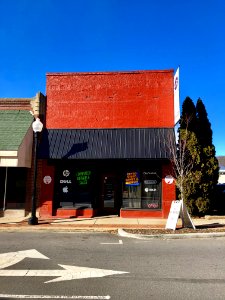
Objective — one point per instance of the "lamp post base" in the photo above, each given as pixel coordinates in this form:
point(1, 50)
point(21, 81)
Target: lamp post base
point(33, 221)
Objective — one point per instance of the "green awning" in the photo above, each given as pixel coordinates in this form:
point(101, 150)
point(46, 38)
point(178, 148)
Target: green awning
point(16, 138)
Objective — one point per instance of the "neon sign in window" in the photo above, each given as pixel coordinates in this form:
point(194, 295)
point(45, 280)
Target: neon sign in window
point(83, 177)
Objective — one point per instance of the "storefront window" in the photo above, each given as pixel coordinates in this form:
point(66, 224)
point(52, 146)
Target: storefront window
point(2, 186)
point(142, 190)
point(13, 187)
point(151, 190)
point(132, 190)
point(73, 188)
point(83, 188)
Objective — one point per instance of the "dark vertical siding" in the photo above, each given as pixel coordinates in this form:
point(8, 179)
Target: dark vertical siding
point(136, 143)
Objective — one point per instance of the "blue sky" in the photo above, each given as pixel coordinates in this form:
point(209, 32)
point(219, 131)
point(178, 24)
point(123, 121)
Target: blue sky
point(111, 35)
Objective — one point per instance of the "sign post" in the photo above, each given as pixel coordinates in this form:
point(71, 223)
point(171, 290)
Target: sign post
point(173, 215)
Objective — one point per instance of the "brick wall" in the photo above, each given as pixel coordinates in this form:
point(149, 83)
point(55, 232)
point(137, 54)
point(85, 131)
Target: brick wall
point(15, 104)
point(110, 100)
point(46, 191)
point(36, 104)
point(168, 190)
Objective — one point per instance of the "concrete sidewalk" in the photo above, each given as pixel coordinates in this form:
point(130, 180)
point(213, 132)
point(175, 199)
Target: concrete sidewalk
point(102, 223)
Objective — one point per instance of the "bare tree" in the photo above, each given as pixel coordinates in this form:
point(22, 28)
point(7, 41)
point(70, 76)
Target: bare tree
point(184, 156)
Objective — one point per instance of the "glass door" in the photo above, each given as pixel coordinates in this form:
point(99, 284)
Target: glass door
point(110, 202)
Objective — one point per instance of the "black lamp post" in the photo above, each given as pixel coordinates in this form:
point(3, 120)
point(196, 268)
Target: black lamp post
point(37, 127)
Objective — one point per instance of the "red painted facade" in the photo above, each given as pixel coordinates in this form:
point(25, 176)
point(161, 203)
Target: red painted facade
point(46, 207)
point(47, 190)
point(110, 100)
point(140, 99)
point(168, 195)
point(47, 194)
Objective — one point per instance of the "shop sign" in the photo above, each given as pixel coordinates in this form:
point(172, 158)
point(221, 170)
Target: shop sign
point(150, 181)
point(179, 209)
point(132, 179)
point(66, 173)
point(83, 178)
point(150, 190)
point(149, 173)
point(65, 189)
point(65, 181)
point(150, 204)
point(169, 179)
point(153, 205)
point(47, 179)
point(173, 214)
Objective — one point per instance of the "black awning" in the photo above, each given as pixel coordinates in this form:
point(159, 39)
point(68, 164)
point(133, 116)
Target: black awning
point(119, 143)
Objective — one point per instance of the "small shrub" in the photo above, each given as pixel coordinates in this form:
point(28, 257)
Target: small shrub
point(202, 205)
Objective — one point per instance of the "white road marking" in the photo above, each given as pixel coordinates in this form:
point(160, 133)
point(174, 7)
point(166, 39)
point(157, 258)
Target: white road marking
point(53, 297)
point(69, 273)
point(120, 243)
point(11, 258)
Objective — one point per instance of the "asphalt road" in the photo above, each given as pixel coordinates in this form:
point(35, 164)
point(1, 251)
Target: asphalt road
point(57, 266)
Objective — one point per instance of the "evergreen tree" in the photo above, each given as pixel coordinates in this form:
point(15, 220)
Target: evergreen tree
point(204, 130)
point(196, 167)
point(188, 156)
point(196, 163)
point(188, 117)
point(208, 167)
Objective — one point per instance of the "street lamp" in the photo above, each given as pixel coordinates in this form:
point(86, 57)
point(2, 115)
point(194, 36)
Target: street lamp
point(37, 127)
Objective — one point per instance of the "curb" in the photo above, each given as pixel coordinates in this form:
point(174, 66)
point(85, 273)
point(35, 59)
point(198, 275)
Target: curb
point(57, 229)
point(123, 233)
point(208, 217)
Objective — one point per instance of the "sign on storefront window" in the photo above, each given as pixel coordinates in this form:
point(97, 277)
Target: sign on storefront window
point(83, 177)
point(132, 179)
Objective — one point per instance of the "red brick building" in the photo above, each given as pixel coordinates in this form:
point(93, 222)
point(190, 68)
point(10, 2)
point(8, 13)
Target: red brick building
point(105, 149)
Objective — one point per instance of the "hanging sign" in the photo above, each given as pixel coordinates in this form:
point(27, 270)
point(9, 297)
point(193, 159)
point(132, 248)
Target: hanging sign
point(47, 179)
point(169, 179)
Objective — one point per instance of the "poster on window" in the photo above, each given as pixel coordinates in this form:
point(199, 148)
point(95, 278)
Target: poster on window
point(132, 179)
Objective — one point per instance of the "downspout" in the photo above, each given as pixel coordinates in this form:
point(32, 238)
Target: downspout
point(4, 199)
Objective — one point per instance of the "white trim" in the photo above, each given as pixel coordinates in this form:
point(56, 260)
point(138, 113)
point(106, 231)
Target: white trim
point(22, 157)
point(8, 153)
point(8, 162)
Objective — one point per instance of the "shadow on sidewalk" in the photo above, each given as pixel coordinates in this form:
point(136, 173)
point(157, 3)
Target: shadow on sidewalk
point(212, 225)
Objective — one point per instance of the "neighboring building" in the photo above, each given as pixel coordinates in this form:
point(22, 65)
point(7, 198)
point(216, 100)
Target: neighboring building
point(221, 160)
point(16, 140)
point(106, 145)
